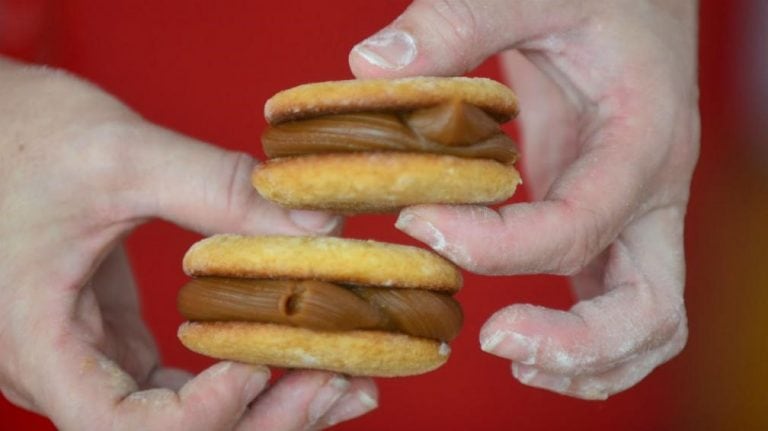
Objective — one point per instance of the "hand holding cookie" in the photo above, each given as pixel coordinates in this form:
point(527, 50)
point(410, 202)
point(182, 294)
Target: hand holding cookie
point(610, 127)
point(78, 171)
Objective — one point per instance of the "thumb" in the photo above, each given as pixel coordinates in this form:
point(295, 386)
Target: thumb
point(205, 188)
point(451, 37)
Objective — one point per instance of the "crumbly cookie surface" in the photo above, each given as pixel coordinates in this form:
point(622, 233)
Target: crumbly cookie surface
point(382, 182)
point(322, 258)
point(359, 353)
point(359, 95)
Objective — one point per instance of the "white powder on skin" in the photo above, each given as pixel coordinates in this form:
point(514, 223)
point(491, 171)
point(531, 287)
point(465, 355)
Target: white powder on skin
point(524, 374)
point(525, 348)
point(307, 359)
point(529, 345)
point(444, 350)
point(435, 239)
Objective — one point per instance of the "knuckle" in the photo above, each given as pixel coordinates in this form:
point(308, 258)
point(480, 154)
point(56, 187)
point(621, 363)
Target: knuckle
point(458, 15)
point(454, 22)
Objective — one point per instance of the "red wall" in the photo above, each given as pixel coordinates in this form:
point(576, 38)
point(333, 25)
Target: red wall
point(205, 68)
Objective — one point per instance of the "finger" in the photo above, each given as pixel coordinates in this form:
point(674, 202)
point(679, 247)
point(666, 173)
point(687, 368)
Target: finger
point(449, 37)
point(642, 310)
point(219, 396)
point(361, 397)
point(591, 337)
point(204, 188)
point(296, 402)
point(601, 386)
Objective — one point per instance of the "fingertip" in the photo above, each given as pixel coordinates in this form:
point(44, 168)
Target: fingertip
point(435, 226)
point(512, 345)
point(507, 334)
point(315, 222)
point(256, 382)
point(419, 225)
point(385, 54)
point(352, 405)
point(438, 38)
point(326, 397)
point(230, 386)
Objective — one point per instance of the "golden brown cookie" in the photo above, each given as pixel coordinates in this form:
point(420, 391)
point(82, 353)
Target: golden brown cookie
point(358, 95)
point(376, 164)
point(380, 182)
point(363, 353)
point(332, 259)
point(311, 329)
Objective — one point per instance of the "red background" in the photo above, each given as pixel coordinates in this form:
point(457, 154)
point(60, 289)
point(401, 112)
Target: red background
point(206, 68)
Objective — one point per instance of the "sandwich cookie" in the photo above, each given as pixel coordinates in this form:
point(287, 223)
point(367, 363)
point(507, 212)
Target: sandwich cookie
point(378, 145)
point(349, 306)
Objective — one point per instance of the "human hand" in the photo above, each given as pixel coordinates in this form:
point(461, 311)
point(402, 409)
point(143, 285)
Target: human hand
point(609, 119)
point(78, 171)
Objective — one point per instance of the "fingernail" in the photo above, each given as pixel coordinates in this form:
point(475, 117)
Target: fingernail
point(404, 220)
point(421, 230)
point(314, 221)
point(326, 397)
point(511, 345)
point(219, 369)
point(428, 233)
point(256, 382)
point(388, 49)
point(532, 377)
point(351, 406)
point(523, 373)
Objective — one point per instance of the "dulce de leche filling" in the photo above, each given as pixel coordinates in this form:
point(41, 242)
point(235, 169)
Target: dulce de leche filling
point(453, 128)
point(323, 306)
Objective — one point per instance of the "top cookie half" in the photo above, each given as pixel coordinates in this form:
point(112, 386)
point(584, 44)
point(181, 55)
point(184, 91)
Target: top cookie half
point(341, 260)
point(359, 95)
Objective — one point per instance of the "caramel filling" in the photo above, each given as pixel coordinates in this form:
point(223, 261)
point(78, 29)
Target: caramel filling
point(323, 306)
point(455, 128)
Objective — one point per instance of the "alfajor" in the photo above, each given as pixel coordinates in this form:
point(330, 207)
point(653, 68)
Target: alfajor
point(378, 145)
point(350, 306)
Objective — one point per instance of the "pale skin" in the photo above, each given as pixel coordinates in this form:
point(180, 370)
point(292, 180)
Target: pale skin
point(79, 171)
point(610, 130)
